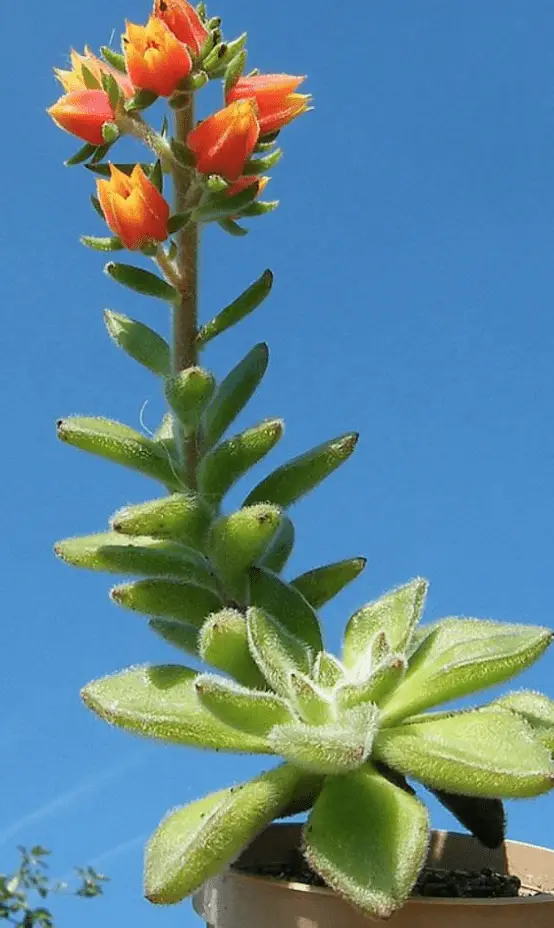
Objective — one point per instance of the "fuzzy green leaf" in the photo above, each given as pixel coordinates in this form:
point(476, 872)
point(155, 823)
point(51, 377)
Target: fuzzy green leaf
point(182, 517)
point(120, 444)
point(223, 643)
point(384, 678)
point(218, 206)
point(461, 656)
point(484, 752)
point(179, 634)
point(259, 208)
point(276, 652)
point(536, 709)
point(102, 243)
point(141, 281)
point(116, 60)
point(196, 842)
point(320, 585)
point(141, 100)
point(188, 392)
point(280, 548)
point(121, 554)
point(310, 702)
point(168, 599)
point(484, 818)
point(368, 839)
point(233, 72)
point(332, 749)
point(286, 604)
point(396, 614)
point(255, 167)
point(293, 480)
point(252, 711)
point(223, 465)
point(161, 703)
point(232, 228)
point(239, 539)
point(139, 341)
point(328, 670)
point(233, 394)
point(85, 152)
point(245, 304)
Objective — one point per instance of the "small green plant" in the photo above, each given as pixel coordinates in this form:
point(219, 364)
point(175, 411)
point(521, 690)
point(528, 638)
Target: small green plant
point(19, 889)
point(351, 731)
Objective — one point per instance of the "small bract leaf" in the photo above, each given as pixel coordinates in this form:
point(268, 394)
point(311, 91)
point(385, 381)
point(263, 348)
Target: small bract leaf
point(246, 303)
point(255, 167)
point(484, 818)
point(139, 341)
point(536, 709)
point(116, 60)
point(102, 243)
point(223, 643)
point(161, 703)
point(168, 599)
point(188, 392)
point(368, 839)
point(141, 281)
point(234, 70)
point(396, 614)
point(239, 539)
point(286, 604)
point(328, 670)
point(119, 443)
point(280, 548)
point(276, 652)
point(332, 749)
point(293, 480)
point(182, 517)
point(141, 100)
point(232, 228)
point(121, 554)
point(232, 395)
point(320, 585)
point(252, 711)
point(485, 752)
point(196, 842)
point(462, 656)
point(259, 208)
point(221, 467)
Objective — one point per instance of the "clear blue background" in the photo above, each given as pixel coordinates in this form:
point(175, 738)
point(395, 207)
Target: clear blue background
point(414, 268)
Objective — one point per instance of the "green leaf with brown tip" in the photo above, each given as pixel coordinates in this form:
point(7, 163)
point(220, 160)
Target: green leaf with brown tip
point(276, 652)
point(223, 643)
point(238, 540)
point(332, 749)
point(223, 465)
point(395, 614)
point(181, 517)
point(139, 341)
point(168, 599)
point(286, 604)
point(320, 585)
point(249, 710)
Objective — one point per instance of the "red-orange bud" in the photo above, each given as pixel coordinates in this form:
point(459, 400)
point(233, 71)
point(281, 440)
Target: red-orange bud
point(74, 80)
point(183, 21)
point(278, 104)
point(155, 59)
point(223, 142)
point(83, 113)
point(244, 182)
point(133, 207)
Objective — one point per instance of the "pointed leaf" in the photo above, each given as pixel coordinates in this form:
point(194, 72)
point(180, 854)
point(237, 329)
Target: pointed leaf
point(168, 599)
point(141, 281)
point(276, 652)
point(161, 703)
point(328, 670)
point(332, 749)
point(197, 841)
point(385, 677)
point(536, 709)
point(296, 478)
point(484, 818)
point(96, 206)
point(239, 539)
point(462, 656)
point(188, 392)
point(320, 585)
point(286, 604)
point(120, 444)
point(259, 208)
point(223, 643)
point(484, 752)
point(89, 80)
point(310, 702)
point(179, 634)
point(221, 467)
point(102, 243)
point(141, 100)
point(233, 228)
point(156, 176)
point(246, 303)
point(255, 167)
point(182, 517)
point(116, 60)
point(252, 711)
point(280, 548)
point(233, 394)
point(85, 152)
point(139, 341)
point(396, 614)
point(218, 206)
point(120, 554)
point(368, 839)
point(234, 70)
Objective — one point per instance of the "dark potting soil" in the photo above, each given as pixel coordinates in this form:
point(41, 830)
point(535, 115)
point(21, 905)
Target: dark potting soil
point(451, 884)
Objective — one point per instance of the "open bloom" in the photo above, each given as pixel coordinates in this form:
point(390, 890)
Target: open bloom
point(133, 207)
point(183, 21)
point(274, 94)
point(74, 80)
point(83, 113)
point(223, 142)
point(156, 60)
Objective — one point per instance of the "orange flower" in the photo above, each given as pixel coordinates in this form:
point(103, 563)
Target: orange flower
point(74, 80)
point(243, 182)
point(274, 94)
point(156, 60)
point(83, 113)
point(223, 142)
point(133, 207)
point(183, 21)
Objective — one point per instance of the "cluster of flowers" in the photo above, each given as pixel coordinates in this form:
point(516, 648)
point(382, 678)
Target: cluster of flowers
point(175, 53)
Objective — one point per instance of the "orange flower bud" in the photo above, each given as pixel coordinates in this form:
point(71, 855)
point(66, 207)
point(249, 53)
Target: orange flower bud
point(274, 94)
point(74, 80)
point(156, 60)
point(223, 142)
point(83, 113)
point(133, 207)
point(183, 21)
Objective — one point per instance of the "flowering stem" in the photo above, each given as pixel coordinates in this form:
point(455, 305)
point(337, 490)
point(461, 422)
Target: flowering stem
point(136, 126)
point(185, 318)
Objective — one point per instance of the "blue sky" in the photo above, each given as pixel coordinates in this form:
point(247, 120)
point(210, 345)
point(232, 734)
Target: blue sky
point(413, 302)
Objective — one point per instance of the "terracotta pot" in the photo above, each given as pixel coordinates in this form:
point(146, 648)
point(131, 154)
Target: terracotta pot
point(236, 900)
